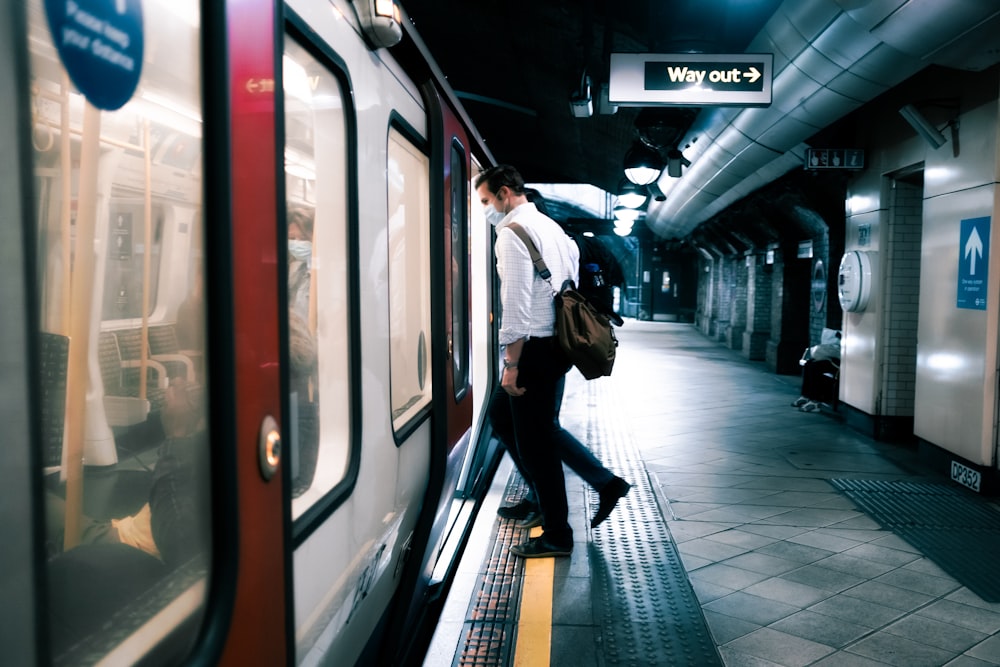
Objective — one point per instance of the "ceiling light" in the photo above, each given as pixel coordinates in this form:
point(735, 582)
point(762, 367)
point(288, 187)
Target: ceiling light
point(626, 214)
point(630, 194)
point(642, 164)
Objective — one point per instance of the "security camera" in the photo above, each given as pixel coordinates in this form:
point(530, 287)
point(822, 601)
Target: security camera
point(923, 126)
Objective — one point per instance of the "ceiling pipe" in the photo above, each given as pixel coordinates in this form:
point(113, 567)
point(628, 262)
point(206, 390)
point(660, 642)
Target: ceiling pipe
point(830, 58)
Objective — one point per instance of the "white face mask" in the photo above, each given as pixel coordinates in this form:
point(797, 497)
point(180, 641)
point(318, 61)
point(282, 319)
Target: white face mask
point(494, 216)
point(300, 250)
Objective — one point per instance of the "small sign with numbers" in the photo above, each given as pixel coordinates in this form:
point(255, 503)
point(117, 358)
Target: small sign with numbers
point(965, 476)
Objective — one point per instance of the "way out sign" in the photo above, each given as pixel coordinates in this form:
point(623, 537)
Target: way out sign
point(973, 263)
point(690, 79)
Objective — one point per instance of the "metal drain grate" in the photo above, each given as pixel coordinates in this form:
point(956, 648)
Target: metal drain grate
point(958, 531)
point(492, 617)
point(648, 611)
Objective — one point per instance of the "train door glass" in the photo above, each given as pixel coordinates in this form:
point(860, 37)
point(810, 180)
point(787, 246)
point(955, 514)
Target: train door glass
point(461, 351)
point(409, 280)
point(122, 400)
point(316, 159)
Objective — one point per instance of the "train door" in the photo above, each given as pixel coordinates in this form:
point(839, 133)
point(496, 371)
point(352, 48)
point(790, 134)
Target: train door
point(150, 523)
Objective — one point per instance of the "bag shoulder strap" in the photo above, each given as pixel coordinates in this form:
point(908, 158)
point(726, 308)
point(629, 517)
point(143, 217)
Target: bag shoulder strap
point(536, 257)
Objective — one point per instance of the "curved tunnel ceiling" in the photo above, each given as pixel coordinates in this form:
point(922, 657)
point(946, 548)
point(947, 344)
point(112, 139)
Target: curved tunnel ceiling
point(830, 57)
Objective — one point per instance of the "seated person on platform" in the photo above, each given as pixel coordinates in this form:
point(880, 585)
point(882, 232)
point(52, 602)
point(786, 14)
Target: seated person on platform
point(169, 525)
point(819, 363)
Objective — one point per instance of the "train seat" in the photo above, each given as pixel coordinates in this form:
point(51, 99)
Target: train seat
point(164, 346)
point(122, 403)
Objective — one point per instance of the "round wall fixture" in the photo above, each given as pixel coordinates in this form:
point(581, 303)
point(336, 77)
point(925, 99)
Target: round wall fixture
point(855, 280)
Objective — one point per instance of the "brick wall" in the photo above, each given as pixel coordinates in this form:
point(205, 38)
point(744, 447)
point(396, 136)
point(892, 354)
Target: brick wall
point(901, 299)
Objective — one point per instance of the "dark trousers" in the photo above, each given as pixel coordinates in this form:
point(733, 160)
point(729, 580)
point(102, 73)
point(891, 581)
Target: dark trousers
point(815, 385)
point(572, 452)
point(527, 426)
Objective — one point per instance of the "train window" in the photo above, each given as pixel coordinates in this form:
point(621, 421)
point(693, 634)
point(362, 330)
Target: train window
point(409, 280)
point(461, 350)
point(116, 130)
point(316, 159)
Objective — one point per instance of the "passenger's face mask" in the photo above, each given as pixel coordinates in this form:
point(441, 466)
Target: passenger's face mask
point(300, 250)
point(494, 216)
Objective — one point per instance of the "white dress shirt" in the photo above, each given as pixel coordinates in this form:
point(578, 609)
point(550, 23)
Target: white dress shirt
point(528, 309)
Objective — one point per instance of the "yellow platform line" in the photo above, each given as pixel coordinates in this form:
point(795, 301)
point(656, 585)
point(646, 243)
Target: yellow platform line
point(534, 626)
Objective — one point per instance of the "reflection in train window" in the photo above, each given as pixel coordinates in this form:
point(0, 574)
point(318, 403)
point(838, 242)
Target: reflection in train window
point(122, 384)
point(316, 157)
point(409, 280)
point(461, 351)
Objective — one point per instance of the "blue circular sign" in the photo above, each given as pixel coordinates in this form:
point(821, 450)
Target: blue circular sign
point(100, 43)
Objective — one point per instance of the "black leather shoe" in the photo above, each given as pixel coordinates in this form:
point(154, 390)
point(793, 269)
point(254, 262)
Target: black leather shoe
point(519, 511)
point(614, 490)
point(539, 547)
point(532, 520)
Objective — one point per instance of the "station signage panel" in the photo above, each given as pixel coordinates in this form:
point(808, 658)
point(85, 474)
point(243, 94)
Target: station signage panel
point(691, 79)
point(973, 263)
point(835, 158)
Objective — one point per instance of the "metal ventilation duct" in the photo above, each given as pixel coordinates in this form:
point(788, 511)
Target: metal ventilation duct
point(830, 57)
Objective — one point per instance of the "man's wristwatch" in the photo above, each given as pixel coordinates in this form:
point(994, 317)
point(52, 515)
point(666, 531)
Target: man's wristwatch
point(509, 364)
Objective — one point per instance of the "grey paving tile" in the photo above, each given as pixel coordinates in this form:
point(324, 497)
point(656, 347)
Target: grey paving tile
point(733, 658)
point(895, 650)
point(780, 647)
point(709, 590)
point(936, 633)
point(820, 628)
point(987, 650)
point(763, 563)
point(890, 596)
point(844, 659)
point(796, 552)
point(881, 554)
point(686, 530)
point(966, 616)
point(751, 608)
point(574, 646)
point(708, 549)
point(825, 540)
point(730, 577)
point(777, 532)
point(789, 592)
point(571, 601)
point(912, 580)
point(741, 538)
point(969, 661)
point(965, 596)
point(727, 628)
point(821, 577)
point(856, 610)
point(692, 562)
point(866, 569)
point(811, 517)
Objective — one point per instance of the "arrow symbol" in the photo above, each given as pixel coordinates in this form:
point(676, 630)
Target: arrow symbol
point(973, 246)
point(753, 74)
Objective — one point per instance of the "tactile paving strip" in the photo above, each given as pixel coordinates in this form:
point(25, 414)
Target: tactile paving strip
point(491, 622)
point(643, 600)
point(958, 531)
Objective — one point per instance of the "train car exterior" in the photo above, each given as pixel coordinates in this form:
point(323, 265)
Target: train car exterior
point(250, 333)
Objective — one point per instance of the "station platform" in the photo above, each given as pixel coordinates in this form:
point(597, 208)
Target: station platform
point(754, 534)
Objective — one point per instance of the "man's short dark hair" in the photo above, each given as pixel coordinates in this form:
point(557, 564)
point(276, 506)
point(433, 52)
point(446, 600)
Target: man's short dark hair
point(499, 176)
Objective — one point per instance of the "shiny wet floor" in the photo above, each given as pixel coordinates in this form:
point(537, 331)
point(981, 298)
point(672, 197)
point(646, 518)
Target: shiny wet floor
point(786, 568)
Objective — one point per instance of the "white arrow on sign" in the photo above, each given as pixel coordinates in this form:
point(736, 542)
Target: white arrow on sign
point(753, 74)
point(973, 247)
